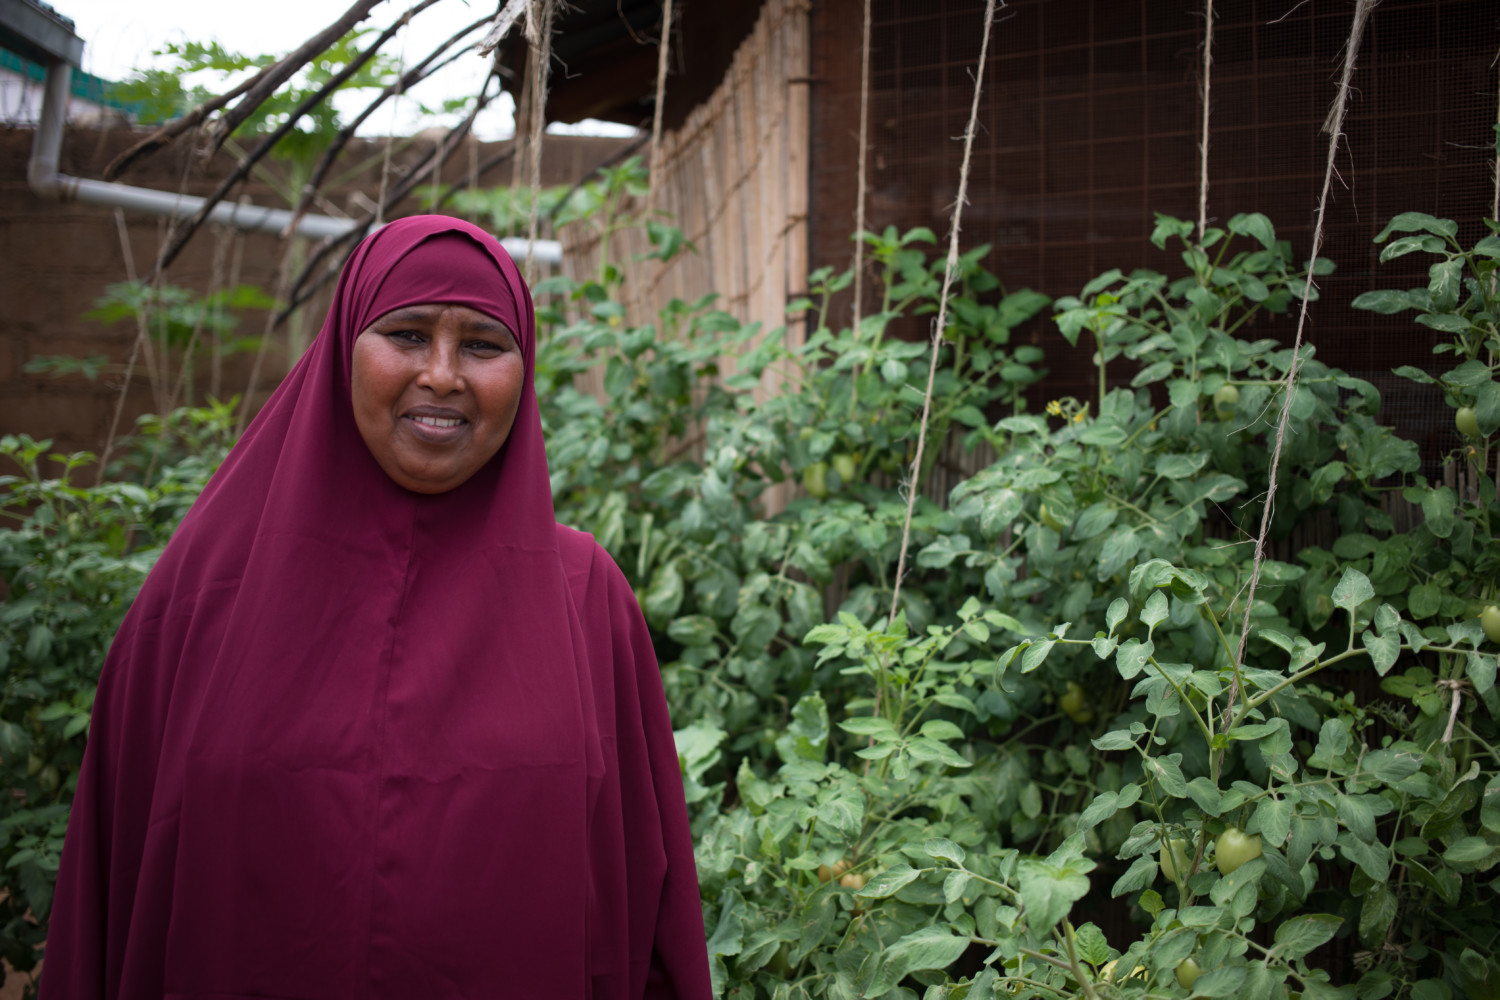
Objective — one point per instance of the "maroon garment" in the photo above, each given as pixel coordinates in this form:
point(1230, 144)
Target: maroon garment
point(356, 742)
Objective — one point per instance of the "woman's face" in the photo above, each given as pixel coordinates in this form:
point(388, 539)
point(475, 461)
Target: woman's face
point(435, 391)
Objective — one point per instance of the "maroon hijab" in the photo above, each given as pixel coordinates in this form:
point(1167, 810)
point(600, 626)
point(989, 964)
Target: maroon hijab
point(353, 741)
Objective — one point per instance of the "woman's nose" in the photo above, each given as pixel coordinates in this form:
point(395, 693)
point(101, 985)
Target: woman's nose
point(442, 371)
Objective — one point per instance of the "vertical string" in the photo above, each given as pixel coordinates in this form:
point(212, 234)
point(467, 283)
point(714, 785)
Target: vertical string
point(914, 485)
point(1335, 128)
point(1208, 61)
point(542, 49)
point(859, 208)
point(385, 169)
point(663, 49)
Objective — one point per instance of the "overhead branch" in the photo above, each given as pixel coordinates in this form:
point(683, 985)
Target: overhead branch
point(409, 79)
point(503, 156)
point(249, 160)
point(282, 71)
point(176, 127)
point(613, 159)
point(504, 21)
point(299, 291)
point(258, 87)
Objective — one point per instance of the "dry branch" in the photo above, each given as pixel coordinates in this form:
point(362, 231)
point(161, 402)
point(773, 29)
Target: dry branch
point(282, 71)
point(610, 161)
point(508, 16)
point(249, 160)
point(299, 292)
point(176, 127)
point(409, 79)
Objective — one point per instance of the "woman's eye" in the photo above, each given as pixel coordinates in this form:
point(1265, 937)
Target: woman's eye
point(485, 347)
point(405, 336)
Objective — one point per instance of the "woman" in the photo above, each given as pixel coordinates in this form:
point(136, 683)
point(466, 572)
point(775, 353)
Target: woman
point(377, 726)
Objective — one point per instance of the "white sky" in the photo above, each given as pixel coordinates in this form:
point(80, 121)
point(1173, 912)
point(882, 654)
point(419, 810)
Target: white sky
point(119, 36)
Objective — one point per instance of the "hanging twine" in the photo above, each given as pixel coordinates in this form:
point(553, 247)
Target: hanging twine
point(542, 48)
point(914, 485)
point(859, 207)
point(1334, 126)
point(1208, 62)
point(663, 51)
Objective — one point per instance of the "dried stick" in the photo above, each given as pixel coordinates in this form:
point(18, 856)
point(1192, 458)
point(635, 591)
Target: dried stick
point(249, 160)
point(177, 126)
point(508, 15)
point(247, 400)
point(405, 82)
point(1335, 128)
point(1208, 61)
point(142, 336)
point(542, 49)
point(297, 294)
point(475, 173)
point(942, 318)
point(281, 72)
point(609, 161)
point(663, 52)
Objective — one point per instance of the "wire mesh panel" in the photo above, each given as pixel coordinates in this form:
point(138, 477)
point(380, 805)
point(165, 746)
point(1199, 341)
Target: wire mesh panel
point(1091, 118)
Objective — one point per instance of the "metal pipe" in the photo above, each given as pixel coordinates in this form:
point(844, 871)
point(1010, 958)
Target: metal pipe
point(46, 145)
point(45, 180)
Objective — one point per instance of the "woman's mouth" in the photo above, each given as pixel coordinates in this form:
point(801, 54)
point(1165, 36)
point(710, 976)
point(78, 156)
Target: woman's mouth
point(436, 430)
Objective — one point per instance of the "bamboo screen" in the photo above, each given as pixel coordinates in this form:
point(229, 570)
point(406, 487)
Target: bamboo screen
point(734, 180)
point(1091, 118)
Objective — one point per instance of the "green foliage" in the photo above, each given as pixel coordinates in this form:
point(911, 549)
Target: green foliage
point(961, 801)
point(182, 326)
point(1462, 302)
point(508, 209)
point(193, 72)
point(72, 559)
point(910, 808)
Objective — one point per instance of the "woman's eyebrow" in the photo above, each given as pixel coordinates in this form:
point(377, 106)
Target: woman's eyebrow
point(484, 324)
point(411, 314)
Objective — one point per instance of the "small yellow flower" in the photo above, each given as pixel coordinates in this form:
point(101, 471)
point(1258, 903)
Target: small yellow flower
point(1054, 408)
point(1078, 417)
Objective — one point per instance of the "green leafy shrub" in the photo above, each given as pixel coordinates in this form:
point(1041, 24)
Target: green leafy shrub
point(927, 805)
point(72, 558)
point(1054, 773)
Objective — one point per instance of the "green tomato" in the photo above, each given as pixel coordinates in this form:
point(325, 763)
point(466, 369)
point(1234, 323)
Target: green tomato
point(1225, 400)
point(1188, 973)
point(1467, 422)
point(815, 480)
point(1075, 704)
point(845, 465)
point(1489, 620)
point(1234, 848)
point(1176, 864)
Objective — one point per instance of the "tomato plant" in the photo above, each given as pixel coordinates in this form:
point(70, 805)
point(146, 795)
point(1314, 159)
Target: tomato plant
point(1054, 764)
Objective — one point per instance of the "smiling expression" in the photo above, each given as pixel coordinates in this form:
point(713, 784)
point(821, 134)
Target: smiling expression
point(435, 389)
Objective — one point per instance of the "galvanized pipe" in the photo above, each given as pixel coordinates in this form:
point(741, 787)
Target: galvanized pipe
point(43, 176)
